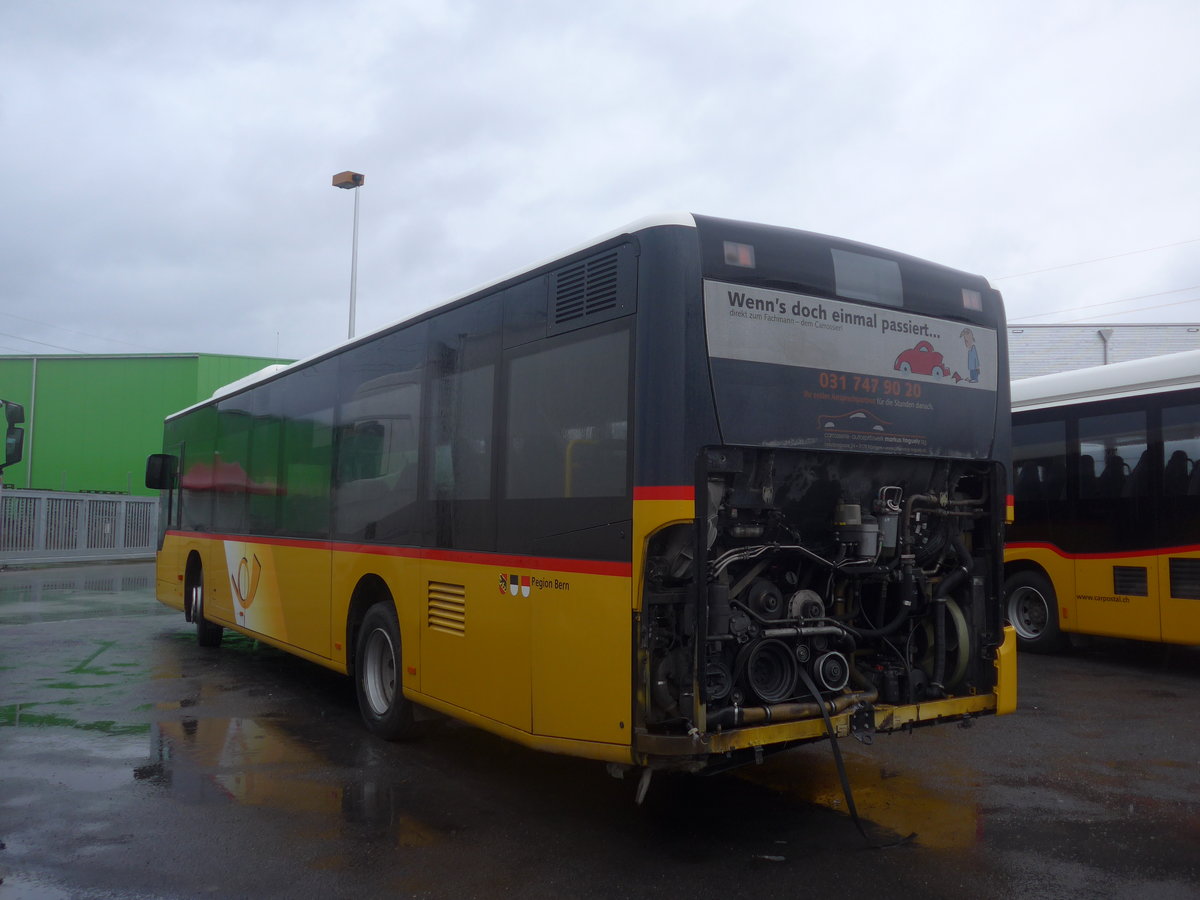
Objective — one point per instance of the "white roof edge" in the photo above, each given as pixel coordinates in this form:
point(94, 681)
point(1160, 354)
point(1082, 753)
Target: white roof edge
point(1151, 375)
point(247, 380)
point(687, 220)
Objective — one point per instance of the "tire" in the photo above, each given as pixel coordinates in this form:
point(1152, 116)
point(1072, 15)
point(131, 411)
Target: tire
point(938, 372)
point(207, 634)
point(377, 668)
point(1031, 607)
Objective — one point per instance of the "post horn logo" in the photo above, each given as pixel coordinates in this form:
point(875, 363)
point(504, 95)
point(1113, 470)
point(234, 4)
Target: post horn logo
point(245, 585)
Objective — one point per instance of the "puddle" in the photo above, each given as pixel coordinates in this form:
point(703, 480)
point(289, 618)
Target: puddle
point(29, 596)
point(939, 807)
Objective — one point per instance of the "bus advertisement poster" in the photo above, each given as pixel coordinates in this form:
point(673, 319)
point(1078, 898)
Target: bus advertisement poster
point(849, 376)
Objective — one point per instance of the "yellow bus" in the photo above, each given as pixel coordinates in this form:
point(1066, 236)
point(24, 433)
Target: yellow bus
point(698, 491)
point(1106, 535)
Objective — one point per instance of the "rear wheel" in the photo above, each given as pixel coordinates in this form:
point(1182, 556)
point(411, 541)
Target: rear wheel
point(207, 634)
point(1032, 610)
point(377, 675)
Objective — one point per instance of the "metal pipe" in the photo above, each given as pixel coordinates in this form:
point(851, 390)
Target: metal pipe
point(735, 716)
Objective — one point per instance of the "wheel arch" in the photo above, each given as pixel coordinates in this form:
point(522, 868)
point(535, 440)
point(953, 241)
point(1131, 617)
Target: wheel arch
point(370, 589)
point(193, 570)
point(1025, 566)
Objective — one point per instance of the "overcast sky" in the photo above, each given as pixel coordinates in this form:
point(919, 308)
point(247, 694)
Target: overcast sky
point(166, 165)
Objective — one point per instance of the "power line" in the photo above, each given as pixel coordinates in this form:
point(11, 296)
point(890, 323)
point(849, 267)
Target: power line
point(43, 343)
point(1140, 309)
point(71, 331)
point(1086, 262)
point(1111, 302)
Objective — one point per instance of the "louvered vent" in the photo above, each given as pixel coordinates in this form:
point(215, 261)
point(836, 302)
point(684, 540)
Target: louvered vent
point(1130, 580)
point(446, 608)
point(593, 290)
point(1185, 579)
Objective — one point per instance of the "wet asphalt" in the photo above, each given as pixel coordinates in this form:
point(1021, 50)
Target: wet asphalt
point(135, 764)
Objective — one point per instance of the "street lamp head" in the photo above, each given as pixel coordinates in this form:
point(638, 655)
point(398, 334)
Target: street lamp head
point(348, 180)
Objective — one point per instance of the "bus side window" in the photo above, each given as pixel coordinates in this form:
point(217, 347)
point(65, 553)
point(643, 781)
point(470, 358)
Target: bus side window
point(1175, 474)
point(1121, 439)
point(568, 412)
point(1087, 475)
point(1181, 447)
point(378, 439)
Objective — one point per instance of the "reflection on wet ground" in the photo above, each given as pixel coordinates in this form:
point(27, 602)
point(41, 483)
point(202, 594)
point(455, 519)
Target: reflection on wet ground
point(178, 771)
point(98, 591)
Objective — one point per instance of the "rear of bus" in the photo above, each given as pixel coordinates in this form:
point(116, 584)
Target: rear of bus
point(819, 493)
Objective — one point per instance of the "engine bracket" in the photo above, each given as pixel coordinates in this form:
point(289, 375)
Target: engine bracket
point(862, 723)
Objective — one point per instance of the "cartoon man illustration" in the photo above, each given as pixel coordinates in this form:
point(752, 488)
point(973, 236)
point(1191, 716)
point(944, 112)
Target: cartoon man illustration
point(968, 337)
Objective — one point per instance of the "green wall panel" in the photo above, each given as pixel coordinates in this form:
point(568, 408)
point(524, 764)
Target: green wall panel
point(95, 419)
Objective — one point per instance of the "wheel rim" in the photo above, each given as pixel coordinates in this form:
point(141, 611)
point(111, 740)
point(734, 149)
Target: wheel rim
point(1028, 612)
point(379, 672)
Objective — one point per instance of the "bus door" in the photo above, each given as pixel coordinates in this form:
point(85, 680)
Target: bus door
point(1117, 577)
point(1179, 524)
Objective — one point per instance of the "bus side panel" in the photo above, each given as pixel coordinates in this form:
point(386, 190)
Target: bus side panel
point(169, 570)
point(278, 590)
point(475, 640)
point(582, 670)
point(1104, 611)
point(1180, 616)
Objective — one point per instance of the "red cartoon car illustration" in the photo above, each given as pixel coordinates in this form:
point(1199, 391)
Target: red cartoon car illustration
point(922, 360)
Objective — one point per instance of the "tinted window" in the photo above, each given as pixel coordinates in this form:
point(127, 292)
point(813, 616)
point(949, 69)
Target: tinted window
point(307, 449)
point(379, 423)
point(196, 431)
point(232, 464)
point(567, 446)
point(262, 502)
point(568, 419)
point(1040, 460)
point(1113, 460)
point(462, 373)
point(1181, 450)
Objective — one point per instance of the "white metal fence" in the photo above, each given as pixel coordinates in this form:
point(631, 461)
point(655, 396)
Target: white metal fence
point(53, 527)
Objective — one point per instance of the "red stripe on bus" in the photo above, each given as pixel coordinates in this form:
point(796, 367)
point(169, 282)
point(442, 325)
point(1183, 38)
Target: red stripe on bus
point(666, 492)
point(545, 564)
point(1116, 554)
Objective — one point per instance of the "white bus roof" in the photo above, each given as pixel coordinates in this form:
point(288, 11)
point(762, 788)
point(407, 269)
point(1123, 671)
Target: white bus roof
point(1152, 375)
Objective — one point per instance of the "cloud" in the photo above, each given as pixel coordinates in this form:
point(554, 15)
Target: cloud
point(168, 164)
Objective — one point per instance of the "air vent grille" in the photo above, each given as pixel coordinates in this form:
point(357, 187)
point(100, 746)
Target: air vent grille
point(1185, 578)
point(1131, 581)
point(593, 290)
point(446, 608)
point(587, 289)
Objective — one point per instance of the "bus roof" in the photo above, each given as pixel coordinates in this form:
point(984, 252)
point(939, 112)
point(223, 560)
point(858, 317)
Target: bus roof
point(1153, 375)
point(686, 220)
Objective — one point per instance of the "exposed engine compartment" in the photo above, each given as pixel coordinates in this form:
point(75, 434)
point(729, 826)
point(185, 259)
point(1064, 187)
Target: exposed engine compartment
point(821, 580)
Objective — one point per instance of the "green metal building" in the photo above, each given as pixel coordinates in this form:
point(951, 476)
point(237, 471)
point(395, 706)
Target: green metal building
point(91, 421)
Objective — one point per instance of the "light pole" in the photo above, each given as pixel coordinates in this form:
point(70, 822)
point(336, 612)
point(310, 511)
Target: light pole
point(351, 181)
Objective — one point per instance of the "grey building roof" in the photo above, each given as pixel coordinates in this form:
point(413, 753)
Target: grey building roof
point(1045, 349)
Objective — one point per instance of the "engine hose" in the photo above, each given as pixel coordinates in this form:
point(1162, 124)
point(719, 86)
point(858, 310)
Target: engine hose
point(907, 591)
